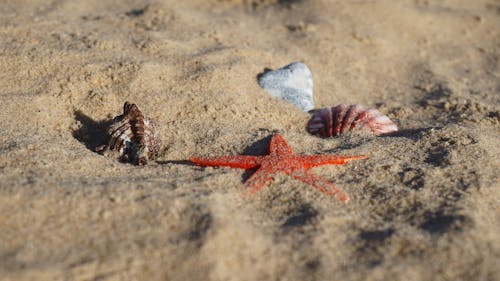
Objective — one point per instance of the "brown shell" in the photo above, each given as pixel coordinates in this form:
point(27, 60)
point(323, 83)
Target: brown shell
point(328, 122)
point(133, 136)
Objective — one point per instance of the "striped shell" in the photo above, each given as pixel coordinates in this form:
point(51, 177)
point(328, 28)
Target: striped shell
point(133, 136)
point(328, 122)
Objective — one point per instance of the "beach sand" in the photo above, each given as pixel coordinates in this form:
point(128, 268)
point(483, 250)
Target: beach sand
point(424, 206)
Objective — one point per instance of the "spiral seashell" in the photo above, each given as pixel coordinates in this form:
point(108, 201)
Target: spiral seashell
point(133, 136)
point(328, 122)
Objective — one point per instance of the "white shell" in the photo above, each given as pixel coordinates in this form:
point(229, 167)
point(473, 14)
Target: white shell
point(292, 83)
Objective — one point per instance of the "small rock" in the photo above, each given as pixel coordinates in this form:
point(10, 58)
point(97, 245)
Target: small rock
point(292, 83)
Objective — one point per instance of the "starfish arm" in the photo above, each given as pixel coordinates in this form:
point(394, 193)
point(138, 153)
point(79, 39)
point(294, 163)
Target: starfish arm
point(280, 146)
point(236, 161)
point(320, 184)
point(258, 180)
point(311, 161)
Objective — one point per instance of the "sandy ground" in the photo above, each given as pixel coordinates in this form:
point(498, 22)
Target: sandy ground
point(425, 206)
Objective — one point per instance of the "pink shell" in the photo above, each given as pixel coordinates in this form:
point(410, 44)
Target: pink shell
point(342, 118)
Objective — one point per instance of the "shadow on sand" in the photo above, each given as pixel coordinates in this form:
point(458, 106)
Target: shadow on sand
point(92, 133)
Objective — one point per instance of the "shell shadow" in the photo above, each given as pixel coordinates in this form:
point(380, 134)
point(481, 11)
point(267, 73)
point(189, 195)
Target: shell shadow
point(413, 134)
point(177, 162)
point(92, 132)
point(266, 70)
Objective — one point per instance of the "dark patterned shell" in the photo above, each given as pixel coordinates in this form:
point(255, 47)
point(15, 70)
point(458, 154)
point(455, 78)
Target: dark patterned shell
point(328, 122)
point(133, 136)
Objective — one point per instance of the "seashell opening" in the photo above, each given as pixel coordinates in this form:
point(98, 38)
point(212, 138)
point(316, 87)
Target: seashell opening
point(340, 119)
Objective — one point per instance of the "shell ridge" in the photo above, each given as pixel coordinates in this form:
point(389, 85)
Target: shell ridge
point(349, 118)
point(342, 118)
point(329, 122)
point(360, 119)
point(133, 136)
point(118, 133)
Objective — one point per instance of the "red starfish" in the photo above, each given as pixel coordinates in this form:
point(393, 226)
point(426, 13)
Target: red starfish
point(282, 159)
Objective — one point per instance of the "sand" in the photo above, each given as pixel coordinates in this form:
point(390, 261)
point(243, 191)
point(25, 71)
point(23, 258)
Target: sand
point(424, 206)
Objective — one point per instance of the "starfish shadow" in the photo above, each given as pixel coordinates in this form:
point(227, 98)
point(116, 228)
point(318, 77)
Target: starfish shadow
point(92, 132)
point(247, 174)
point(258, 148)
